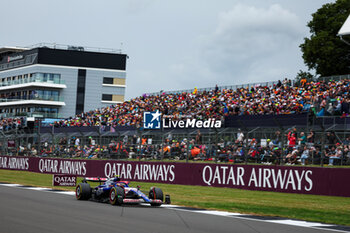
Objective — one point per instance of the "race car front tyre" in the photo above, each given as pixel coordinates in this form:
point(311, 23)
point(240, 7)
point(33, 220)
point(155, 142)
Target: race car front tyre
point(83, 191)
point(156, 194)
point(116, 195)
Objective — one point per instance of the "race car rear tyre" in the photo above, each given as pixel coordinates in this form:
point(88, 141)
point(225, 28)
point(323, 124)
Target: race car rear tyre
point(156, 194)
point(83, 191)
point(116, 195)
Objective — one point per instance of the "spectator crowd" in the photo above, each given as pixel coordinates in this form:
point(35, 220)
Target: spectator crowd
point(318, 97)
point(7, 124)
point(321, 98)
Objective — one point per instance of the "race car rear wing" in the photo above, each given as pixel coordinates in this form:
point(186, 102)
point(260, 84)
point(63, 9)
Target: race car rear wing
point(94, 179)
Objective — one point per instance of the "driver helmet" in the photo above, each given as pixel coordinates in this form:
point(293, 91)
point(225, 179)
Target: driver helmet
point(116, 178)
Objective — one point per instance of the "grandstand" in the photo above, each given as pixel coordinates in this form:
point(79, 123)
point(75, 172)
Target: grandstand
point(319, 98)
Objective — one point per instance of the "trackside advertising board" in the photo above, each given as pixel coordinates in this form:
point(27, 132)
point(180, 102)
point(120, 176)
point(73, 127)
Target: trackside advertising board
point(306, 180)
point(64, 180)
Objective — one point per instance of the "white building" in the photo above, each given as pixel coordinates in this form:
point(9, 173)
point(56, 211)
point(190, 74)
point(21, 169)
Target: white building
point(54, 81)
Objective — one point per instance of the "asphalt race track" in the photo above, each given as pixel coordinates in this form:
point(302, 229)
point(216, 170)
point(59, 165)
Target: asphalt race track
point(25, 210)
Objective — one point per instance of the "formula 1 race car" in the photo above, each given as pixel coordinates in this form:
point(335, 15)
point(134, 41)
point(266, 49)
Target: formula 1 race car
point(118, 192)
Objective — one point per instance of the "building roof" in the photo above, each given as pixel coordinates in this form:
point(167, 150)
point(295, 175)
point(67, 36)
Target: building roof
point(7, 49)
point(345, 29)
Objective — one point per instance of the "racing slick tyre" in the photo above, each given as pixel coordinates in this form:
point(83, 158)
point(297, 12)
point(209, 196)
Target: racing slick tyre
point(116, 195)
point(156, 194)
point(83, 191)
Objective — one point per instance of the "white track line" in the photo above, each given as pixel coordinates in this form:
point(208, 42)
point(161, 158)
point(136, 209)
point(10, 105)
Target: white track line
point(219, 213)
point(38, 189)
point(66, 192)
point(300, 223)
point(11, 185)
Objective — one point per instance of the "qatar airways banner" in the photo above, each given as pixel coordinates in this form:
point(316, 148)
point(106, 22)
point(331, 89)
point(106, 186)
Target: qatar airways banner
point(64, 180)
point(307, 180)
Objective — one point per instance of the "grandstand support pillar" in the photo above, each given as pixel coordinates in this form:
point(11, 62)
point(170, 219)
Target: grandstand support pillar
point(245, 141)
point(344, 137)
point(340, 141)
point(249, 132)
point(140, 144)
point(307, 123)
point(3, 146)
point(39, 144)
point(27, 143)
point(245, 147)
point(99, 135)
point(82, 137)
point(322, 145)
point(53, 138)
point(39, 137)
point(281, 162)
point(216, 143)
point(161, 146)
point(2, 143)
point(67, 144)
point(210, 146)
point(100, 140)
point(187, 147)
point(17, 143)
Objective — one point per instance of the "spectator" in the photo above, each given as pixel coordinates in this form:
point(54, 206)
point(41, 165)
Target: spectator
point(346, 141)
point(277, 141)
point(302, 139)
point(311, 136)
point(337, 154)
point(292, 157)
point(291, 139)
point(305, 155)
point(198, 138)
point(240, 137)
point(77, 142)
point(34, 152)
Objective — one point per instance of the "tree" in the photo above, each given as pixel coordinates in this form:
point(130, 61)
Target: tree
point(324, 51)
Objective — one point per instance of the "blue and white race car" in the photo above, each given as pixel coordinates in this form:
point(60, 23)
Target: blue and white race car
point(118, 192)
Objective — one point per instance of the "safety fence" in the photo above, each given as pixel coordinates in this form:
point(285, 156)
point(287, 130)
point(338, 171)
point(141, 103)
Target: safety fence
point(257, 146)
point(244, 139)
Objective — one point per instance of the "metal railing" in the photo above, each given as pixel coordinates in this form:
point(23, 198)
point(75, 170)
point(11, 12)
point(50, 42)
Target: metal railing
point(335, 77)
point(258, 146)
point(31, 114)
point(223, 152)
point(36, 78)
point(74, 47)
point(45, 98)
point(232, 87)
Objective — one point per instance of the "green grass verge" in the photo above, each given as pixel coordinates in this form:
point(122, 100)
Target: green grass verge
point(335, 210)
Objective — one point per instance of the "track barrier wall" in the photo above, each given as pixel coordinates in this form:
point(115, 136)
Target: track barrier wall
point(303, 180)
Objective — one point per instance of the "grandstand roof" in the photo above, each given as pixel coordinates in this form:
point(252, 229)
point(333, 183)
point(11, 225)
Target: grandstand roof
point(345, 29)
point(7, 49)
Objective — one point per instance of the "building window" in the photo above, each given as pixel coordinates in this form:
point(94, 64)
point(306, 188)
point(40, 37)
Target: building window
point(107, 80)
point(107, 97)
point(114, 81)
point(79, 107)
point(119, 81)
